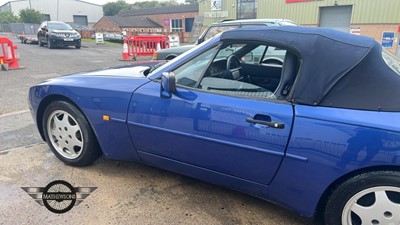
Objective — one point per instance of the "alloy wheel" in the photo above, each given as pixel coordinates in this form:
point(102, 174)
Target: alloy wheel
point(65, 134)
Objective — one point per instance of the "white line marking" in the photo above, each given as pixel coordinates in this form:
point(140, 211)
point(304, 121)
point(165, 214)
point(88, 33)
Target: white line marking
point(14, 113)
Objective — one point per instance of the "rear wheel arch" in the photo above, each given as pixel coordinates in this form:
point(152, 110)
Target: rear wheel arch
point(319, 213)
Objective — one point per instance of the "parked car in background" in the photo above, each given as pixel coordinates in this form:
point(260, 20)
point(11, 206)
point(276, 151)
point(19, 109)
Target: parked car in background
point(218, 27)
point(318, 133)
point(57, 33)
point(112, 37)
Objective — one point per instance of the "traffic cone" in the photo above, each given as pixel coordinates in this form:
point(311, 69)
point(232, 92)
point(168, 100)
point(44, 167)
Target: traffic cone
point(14, 64)
point(125, 51)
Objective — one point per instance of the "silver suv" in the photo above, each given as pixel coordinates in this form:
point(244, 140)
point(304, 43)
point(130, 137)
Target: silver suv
point(218, 27)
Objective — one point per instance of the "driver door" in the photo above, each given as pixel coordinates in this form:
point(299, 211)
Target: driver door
point(221, 129)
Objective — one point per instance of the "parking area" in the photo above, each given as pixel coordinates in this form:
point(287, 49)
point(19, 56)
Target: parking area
point(127, 193)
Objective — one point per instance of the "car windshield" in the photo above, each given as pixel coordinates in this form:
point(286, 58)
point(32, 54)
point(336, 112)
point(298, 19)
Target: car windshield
point(391, 60)
point(59, 26)
point(157, 70)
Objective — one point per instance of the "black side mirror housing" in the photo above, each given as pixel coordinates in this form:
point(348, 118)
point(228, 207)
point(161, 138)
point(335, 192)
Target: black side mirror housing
point(168, 85)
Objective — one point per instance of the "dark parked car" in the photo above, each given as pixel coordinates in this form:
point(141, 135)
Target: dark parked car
point(56, 33)
point(215, 28)
point(318, 134)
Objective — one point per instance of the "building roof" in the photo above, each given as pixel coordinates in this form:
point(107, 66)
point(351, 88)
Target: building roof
point(163, 10)
point(142, 22)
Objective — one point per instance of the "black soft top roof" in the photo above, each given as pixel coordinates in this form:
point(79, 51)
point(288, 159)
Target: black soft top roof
point(337, 69)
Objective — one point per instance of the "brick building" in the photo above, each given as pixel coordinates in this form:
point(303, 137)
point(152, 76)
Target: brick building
point(177, 19)
point(117, 24)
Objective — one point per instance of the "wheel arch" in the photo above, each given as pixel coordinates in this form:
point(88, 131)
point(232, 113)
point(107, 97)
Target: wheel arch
point(46, 102)
point(328, 191)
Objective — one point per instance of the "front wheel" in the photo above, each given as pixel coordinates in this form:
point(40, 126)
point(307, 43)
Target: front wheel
point(69, 134)
point(369, 198)
point(40, 42)
point(49, 44)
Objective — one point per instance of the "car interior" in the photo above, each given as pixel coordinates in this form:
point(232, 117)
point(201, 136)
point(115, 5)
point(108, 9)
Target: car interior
point(242, 69)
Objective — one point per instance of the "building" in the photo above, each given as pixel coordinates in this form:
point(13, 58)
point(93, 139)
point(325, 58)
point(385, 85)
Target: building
point(118, 24)
point(379, 19)
point(177, 20)
point(81, 14)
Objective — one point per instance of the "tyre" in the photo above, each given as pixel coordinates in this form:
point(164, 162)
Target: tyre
point(78, 46)
point(69, 134)
point(40, 42)
point(369, 198)
point(49, 44)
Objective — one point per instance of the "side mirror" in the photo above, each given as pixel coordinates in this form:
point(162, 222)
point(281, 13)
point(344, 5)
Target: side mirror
point(168, 85)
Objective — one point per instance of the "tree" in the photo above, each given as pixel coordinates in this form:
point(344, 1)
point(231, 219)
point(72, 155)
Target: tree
point(113, 8)
point(30, 16)
point(8, 17)
point(153, 4)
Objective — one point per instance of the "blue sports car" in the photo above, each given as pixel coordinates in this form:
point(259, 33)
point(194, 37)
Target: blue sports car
point(308, 118)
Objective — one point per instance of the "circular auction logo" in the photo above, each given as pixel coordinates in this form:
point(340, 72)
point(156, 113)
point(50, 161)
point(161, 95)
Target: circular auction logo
point(59, 196)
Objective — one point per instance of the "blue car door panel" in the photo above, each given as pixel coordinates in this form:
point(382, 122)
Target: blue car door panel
point(234, 136)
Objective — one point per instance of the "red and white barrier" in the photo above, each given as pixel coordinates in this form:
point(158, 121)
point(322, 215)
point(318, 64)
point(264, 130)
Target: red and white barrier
point(143, 45)
point(8, 57)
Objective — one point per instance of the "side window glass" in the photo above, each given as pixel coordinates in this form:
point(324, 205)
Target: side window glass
point(255, 55)
point(274, 56)
point(236, 70)
point(227, 74)
point(190, 73)
point(216, 30)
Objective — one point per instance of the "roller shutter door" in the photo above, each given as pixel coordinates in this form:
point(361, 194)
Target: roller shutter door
point(337, 17)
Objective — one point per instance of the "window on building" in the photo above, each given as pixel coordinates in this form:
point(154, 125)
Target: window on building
point(46, 17)
point(189, 24)
point(247, 9)
point(176, 25)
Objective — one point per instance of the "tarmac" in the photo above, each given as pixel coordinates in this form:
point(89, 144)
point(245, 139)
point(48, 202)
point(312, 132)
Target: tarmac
point(127, 193)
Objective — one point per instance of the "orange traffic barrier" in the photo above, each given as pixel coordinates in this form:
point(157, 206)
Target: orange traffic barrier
point(8, 59)
point(146, 45)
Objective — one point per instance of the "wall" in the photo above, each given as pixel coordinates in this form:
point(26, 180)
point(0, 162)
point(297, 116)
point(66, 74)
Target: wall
point(159, 18)
point(62, 10)
point(376, 30)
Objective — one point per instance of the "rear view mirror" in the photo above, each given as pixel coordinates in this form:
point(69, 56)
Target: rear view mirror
point(168, 85)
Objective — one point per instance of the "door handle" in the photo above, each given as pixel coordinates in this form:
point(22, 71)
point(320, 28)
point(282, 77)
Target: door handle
point(272, 124)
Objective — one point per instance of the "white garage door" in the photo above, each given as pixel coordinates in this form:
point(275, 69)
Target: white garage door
point(336, 17)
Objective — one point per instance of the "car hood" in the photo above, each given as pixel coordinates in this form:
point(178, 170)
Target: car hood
point(137, 71)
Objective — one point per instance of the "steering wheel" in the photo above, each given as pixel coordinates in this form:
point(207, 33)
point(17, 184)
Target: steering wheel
point(233, 67)
point(274, 61)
